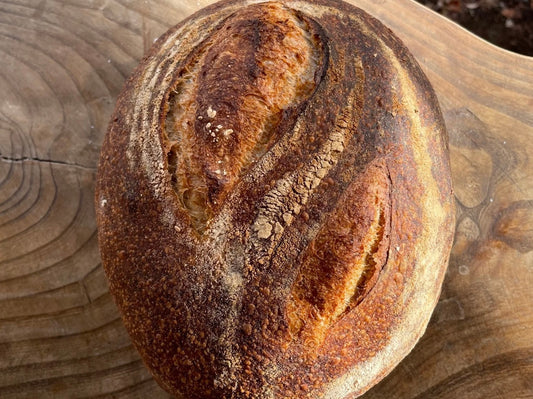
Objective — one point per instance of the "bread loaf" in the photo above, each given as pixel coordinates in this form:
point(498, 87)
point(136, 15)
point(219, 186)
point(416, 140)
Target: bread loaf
point(274, 203)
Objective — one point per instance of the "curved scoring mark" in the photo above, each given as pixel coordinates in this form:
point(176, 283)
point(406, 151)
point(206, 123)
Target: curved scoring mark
point(342, 264)
point(226, 108)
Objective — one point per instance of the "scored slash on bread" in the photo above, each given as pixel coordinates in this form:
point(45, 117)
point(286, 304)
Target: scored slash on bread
point(274, 202)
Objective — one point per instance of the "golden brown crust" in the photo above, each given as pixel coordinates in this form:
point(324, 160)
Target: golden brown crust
point(274, 202)
point(227, 104)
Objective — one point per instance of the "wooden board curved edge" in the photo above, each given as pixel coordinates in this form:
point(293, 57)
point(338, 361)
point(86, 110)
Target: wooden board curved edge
point(54, 308)
point(482, 72)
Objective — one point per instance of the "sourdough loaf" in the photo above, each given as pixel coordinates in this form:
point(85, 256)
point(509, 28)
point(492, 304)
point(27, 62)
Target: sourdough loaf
point(274, 203)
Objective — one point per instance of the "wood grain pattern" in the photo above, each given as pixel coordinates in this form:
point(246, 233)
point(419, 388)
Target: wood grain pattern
point(63, 64)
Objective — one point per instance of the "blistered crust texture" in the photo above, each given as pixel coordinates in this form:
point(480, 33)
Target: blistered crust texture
point(274, 202)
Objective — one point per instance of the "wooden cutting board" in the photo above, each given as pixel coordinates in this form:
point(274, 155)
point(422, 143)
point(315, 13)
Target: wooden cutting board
point(63, 63)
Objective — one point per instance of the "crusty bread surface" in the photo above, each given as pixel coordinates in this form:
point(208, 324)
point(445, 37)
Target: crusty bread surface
point(274, 202)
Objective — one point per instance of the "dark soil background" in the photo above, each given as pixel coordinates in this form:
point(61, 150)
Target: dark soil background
point(507, 24)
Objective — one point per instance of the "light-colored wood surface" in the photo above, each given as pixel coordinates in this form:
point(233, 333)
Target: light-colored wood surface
point(63, 64)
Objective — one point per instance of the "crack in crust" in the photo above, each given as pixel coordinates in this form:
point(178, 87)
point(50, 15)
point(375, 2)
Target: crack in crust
point(342, 264)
